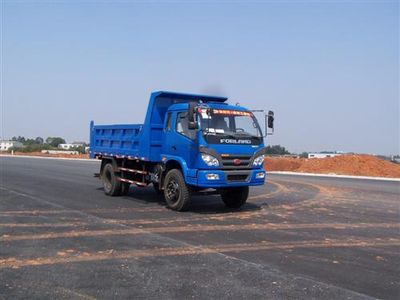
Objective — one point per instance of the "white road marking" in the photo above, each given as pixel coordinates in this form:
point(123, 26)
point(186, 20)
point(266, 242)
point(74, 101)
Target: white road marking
point(48, 157)
point(332, 176)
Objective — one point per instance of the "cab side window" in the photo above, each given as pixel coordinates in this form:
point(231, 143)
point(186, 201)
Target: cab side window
point(168, 123)
point(182, 126)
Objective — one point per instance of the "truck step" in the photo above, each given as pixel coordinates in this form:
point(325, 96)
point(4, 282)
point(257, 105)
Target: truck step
point(133, 171)
point(138, 183)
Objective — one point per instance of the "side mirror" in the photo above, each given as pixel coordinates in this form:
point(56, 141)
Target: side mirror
point(271, 119)
point(269, 123)
point(192, 116)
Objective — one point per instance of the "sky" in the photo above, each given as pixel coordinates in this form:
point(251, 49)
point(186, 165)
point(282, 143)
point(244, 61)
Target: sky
point(329, 70)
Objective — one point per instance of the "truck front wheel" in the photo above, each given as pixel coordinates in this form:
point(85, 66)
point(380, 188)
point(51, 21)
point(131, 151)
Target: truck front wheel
point(157, 189)
point(177, 193)
point(235, 197)
point(112, 186)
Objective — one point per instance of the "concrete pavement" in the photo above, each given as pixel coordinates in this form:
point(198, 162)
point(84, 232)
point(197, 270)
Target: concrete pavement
point(297, 237)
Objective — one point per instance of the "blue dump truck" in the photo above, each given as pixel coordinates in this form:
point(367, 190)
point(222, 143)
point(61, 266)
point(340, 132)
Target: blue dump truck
point(187, 144)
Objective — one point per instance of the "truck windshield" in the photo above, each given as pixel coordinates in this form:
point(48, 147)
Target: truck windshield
point(230, 126)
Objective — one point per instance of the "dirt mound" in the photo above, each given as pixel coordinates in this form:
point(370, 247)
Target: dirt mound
point(360, 165)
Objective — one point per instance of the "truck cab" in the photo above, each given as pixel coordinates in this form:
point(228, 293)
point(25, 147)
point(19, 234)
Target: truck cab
point(190, 143)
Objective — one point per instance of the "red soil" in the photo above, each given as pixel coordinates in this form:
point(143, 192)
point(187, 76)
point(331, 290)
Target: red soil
point(360, 165)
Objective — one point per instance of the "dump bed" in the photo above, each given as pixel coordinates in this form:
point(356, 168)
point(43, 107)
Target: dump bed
point(142, 141)
point(115, 139)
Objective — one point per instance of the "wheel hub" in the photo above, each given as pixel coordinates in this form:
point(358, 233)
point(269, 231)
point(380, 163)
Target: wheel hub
point(173, 191)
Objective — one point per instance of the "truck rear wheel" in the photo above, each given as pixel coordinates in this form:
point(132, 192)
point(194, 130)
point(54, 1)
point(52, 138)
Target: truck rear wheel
point(235, 197)
point(112, 186)
point(124, 188)
point(177, 193)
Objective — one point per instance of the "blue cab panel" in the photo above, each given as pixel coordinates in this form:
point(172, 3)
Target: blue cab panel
point(143, 141)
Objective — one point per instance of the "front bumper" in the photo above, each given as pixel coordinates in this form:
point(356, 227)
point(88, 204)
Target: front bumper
point(222, 178)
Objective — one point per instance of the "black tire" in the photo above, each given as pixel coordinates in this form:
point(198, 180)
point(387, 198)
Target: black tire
point(125, 188)
point(235, 197)
point(111, 185)
point(157, 189)
point(177, 193)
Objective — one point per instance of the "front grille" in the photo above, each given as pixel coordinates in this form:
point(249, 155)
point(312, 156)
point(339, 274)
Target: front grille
point(228, 161)
point(237, 177)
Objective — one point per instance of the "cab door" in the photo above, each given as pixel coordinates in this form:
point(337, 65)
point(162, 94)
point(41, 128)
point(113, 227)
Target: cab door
point(179, 140)
point(167, 146)
point(186, 139)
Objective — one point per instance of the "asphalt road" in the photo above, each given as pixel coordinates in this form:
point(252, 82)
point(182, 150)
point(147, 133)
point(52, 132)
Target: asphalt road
point(297, 237)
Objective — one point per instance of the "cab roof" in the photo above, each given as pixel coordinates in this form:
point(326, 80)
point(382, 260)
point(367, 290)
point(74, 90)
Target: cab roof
point(189, 97)
point(185, 106)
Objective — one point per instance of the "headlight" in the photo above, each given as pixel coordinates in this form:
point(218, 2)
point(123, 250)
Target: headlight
point(258, 162)
point(210, 161)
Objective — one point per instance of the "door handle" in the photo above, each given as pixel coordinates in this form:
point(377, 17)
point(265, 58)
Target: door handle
point(173, 148)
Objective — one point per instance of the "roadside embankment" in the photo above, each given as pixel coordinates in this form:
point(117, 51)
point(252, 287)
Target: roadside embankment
point(357, 165)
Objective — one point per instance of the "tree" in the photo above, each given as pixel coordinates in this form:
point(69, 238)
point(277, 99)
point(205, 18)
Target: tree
point(304, 155)
point(29, 142)
point(276, 150)
point(39, 140)
point(20, 139)
point(31, 148)
point(55, 141)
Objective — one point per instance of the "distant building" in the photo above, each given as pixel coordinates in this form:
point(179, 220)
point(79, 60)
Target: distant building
point(59, 152)
point(65, 146)
point(79, 144)
point(395, 159)
point(72, 145)
point(324, 155)
point(6, 145)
